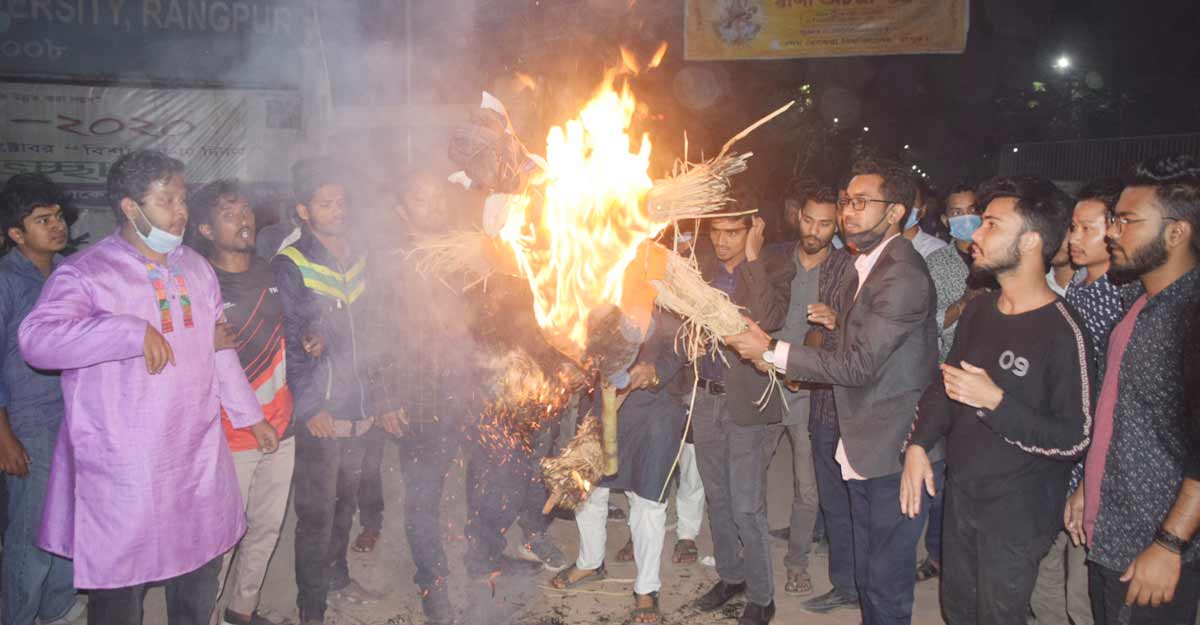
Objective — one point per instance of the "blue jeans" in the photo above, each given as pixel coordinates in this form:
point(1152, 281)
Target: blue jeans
point(37, 584)
point(834, 499)
point(885, 549)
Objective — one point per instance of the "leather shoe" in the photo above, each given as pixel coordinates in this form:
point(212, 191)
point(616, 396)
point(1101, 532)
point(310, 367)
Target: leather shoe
point(755, 614)
point(828, 602)
point(718, 595)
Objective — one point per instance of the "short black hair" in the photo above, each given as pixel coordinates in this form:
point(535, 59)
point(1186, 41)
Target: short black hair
point(201, 206)
point(203, 203)
point(133, 173)
point(898, 185)
point(310, 174)
point(960, 187)
point(1176, 179)
point(1104, 190)
point(25, 192)
point(1043, 207)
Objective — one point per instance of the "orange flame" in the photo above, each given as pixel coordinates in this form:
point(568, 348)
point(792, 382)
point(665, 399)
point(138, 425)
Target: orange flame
point(526, 80)
point(575, 247)
point(658, 56)
point(629, 60)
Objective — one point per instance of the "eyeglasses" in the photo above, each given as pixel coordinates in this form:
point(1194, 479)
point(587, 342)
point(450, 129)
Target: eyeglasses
point(859, 204)
point(1118, 222)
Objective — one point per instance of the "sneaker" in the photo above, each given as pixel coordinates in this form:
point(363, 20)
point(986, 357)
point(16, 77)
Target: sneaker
point(542, 549)
point(718, 595)
point(828, 602)
point(233, 618)
point(75, 613)
point(435, 602)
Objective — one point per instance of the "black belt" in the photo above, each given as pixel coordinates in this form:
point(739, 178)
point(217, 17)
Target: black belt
point(714, 388)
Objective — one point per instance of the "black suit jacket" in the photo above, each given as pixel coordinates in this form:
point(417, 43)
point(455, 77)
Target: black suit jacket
point(764, 290)
point(887, 356)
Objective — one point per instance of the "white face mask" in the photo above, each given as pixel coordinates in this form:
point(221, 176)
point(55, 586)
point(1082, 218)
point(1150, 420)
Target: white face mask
point(158, 240)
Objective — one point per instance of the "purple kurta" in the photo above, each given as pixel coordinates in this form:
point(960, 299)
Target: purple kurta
point(142, 486)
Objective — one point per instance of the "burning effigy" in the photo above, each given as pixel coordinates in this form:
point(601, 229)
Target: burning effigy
point(579, 226)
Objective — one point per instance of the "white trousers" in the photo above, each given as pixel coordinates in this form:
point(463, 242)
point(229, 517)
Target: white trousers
point(647, 523)
point(689, 496)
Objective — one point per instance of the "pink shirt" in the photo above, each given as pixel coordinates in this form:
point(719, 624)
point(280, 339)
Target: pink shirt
point(1093, 469)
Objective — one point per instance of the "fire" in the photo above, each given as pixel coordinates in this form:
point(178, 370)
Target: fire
point(658, 56)
point(576, 244)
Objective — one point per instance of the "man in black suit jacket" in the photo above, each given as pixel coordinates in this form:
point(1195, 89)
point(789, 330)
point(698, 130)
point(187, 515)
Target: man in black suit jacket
point(887, 356)
point(729, 428)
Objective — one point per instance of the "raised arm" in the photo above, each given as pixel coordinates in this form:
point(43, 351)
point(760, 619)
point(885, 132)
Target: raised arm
point(64, 330)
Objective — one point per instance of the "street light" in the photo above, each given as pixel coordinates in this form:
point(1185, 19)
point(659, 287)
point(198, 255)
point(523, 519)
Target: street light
point(866, 129)
point(835, 120)
point(1063, 63)
point(905, 146)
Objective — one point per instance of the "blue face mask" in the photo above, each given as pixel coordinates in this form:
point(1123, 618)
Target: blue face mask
point(837, 242)
point(158, 240)
point(913, 218)
point(963, 226)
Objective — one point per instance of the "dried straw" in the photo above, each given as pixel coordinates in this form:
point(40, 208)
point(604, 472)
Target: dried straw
point(707, 312)
point(455, 253)
point(583, 459)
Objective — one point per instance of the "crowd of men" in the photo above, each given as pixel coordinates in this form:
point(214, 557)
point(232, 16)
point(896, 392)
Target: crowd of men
point(1024, 395)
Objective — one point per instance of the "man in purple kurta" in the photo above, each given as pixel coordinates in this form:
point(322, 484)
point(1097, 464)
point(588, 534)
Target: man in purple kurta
point(142, 486)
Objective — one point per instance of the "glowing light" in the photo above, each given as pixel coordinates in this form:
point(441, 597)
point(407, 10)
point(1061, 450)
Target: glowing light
point(575, 247)
point(866, 129)
point(835, 120)
point(1062, 63)
point(1015, 150)
point(905, 146)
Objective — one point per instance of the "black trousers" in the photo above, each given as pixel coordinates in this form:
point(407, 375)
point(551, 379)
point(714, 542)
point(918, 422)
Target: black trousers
point(190, 599)
point(370, 488)
point(1108, 599)
point(326, 482)
point(426, 453)
point(993, 546)
point(504, 484)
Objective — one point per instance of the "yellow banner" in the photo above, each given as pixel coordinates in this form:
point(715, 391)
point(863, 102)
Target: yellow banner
point(778, 29)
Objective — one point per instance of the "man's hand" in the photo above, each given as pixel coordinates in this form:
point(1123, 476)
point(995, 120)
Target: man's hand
point(971, 386)
point(918, 473)
point(313, 344)
point(394, 422)
point(13, 458)
point(321, 425)
point(749, 344)
point(755, 238)
point(822, 315)
point(1153, 577)
point(642, 375)
point(1073, 517)
point(157, 351)
point(267, 437)
point(226, 337)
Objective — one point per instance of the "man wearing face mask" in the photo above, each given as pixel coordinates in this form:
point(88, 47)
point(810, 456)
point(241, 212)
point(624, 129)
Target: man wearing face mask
point(887, 356)
point(142, 486)
point(922, 241)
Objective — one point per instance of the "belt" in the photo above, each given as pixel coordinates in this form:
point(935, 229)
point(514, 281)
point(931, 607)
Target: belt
point(714, 388)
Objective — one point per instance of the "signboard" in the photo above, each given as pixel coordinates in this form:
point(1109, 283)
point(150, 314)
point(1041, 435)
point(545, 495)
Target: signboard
point(73, 133)
point(248, 43)
point(779, 29)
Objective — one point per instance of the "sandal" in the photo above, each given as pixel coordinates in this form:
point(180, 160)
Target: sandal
point(798, 583)
point(626, 552)
point(686, 552)
point(366, 541)
point(562, 580)
point(651, 614)
point(928, 569)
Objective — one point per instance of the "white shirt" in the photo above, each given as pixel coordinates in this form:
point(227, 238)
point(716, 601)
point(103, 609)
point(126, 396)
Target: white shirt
point(927, 244)
point(1080, 274)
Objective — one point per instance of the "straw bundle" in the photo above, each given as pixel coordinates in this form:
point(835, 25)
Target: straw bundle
point(707, 312)
point(570, 476)
point(695, 189)
point(458, 252)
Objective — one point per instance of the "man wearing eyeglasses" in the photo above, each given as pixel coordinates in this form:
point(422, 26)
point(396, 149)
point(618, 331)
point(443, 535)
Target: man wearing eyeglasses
point(1138, 508)
point(886, 358)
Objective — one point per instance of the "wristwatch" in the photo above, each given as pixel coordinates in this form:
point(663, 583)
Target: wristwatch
point(769, 355)
point(1171, 542)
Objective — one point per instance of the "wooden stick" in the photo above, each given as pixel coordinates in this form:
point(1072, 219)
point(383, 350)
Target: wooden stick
point(742, 134)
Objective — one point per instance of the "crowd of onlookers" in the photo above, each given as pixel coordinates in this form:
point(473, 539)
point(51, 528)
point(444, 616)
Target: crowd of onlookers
point(1004, 371)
